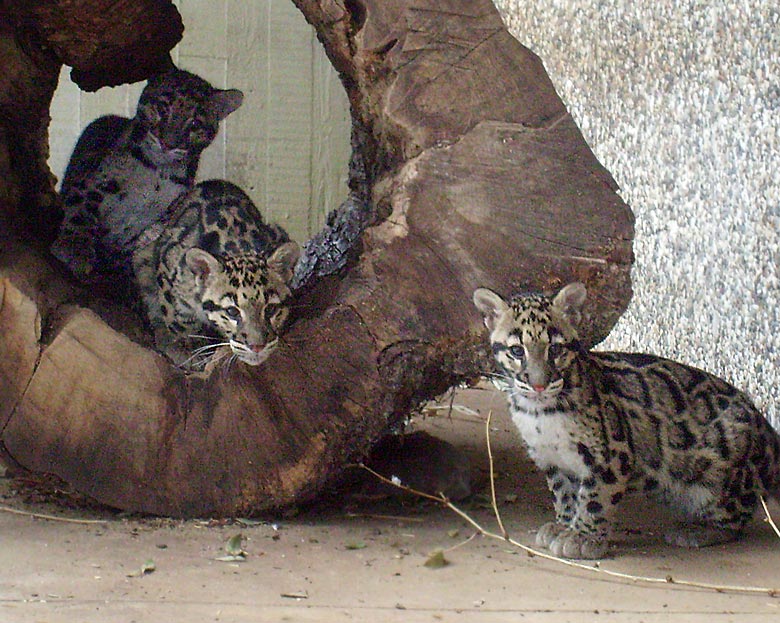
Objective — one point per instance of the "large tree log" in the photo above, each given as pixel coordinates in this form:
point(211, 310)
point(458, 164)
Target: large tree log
point(467, 172)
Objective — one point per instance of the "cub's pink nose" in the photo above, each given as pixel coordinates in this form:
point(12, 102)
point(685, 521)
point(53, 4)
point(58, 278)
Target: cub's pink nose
point(539, 388)
point(257, 348)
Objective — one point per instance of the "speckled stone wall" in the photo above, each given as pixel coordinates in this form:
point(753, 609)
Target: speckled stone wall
point(680, 100)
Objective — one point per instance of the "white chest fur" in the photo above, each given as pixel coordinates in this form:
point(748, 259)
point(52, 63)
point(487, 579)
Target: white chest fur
point(551, 440)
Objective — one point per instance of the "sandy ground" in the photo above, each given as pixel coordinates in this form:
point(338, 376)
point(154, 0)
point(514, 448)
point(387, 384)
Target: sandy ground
point(357, 559)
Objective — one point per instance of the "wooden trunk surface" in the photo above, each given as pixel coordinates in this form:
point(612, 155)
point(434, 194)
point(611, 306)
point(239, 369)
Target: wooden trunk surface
point(476, 175)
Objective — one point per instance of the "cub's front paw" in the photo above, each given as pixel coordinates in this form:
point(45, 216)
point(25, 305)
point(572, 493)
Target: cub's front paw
point(571, 544)
point(548, 533)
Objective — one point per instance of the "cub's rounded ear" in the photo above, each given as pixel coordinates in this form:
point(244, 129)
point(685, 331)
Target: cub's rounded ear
point(201, 263)
point(569, 301)
point(222, 103)
point(491, 305)
point(284, 259)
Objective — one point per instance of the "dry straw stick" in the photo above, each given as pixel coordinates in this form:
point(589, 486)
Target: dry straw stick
point(15, 511)
point(595, 568)
point(769, 517)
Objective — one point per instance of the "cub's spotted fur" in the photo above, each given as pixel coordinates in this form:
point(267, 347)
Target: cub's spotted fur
point(216, 272)
point(599, 424)
point(124, 173)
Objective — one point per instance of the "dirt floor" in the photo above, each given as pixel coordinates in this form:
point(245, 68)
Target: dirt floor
point(362, 557)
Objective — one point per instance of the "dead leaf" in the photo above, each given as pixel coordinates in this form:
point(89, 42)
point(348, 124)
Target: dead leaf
point(356, 545)
point(234, 549)
point(436, 560)
point(146, 568)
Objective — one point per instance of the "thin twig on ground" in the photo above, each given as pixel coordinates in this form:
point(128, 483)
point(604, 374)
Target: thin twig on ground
point(504, 533)
point(769, 517)
point(16, 511)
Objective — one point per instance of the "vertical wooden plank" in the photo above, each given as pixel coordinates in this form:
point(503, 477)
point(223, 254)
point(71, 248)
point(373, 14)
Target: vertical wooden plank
point(271, 158)
point(247, 67)
point(330, 140)
point(205, 28)
point(65, 125)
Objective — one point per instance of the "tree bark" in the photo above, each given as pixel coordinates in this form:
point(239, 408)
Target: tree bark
point(467, 171)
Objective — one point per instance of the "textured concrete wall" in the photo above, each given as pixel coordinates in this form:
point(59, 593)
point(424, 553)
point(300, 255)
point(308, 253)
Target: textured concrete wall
point(679, 99)
point(287, 146)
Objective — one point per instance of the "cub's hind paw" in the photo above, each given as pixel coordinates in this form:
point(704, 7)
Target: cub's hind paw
point(700, 536)
point(571, 544)
point(548, 533)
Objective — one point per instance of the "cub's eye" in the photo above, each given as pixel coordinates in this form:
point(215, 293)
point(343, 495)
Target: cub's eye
point(233, 312)
point(555, 350)
point(516, 352)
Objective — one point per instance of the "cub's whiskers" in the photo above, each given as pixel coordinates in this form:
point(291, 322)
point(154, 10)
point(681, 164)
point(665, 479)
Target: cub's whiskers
point(502, 382)
point(227, 363)
point(202, 355)
point(210, 338)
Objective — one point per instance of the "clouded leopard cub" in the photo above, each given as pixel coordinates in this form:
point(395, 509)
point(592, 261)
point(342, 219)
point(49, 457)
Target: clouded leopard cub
point(599, 424)
point(124, 173)
point(216, 272)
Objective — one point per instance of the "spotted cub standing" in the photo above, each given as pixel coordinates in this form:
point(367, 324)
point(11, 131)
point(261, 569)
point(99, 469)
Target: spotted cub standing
point(216, 272)
point(599, 424)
